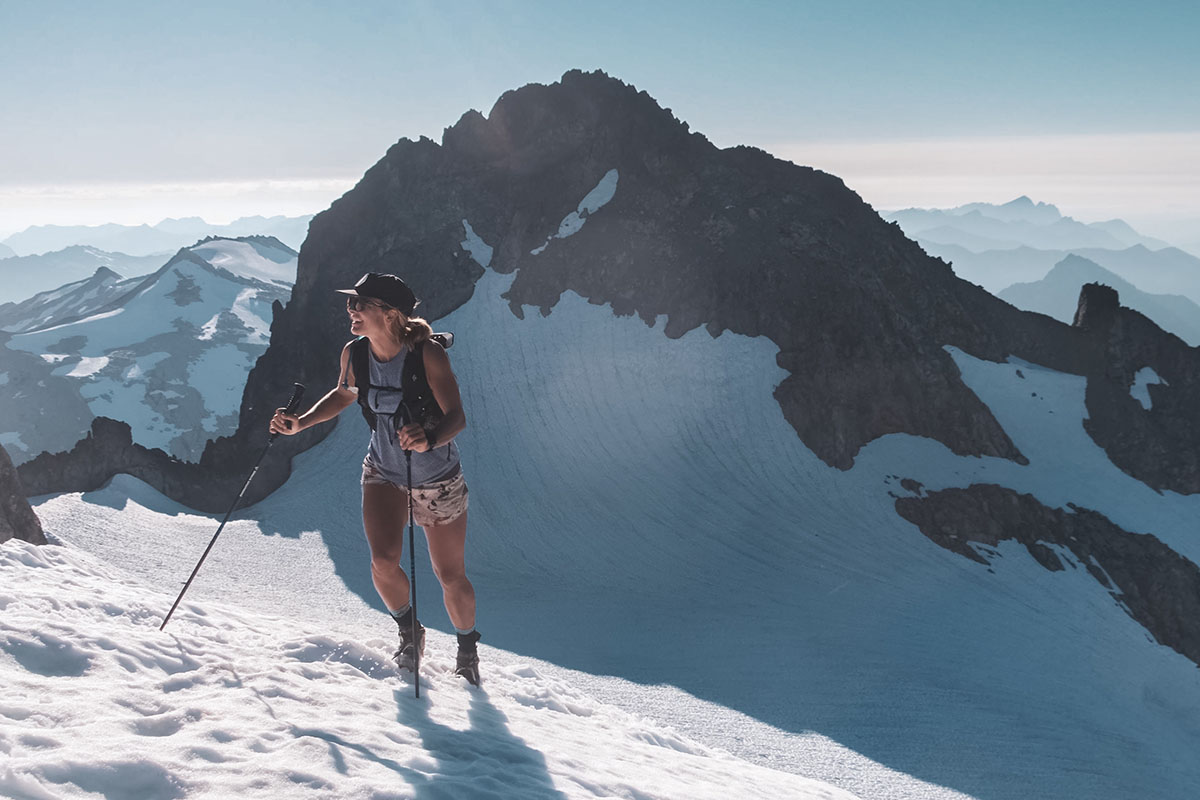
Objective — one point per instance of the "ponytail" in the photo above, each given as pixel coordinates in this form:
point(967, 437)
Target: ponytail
point(412, 331)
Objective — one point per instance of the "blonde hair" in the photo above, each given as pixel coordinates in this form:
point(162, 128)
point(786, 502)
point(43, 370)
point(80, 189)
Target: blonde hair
point(410, 331)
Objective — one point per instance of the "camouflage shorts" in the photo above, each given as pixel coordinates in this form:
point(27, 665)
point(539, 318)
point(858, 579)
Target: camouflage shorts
point(437, 503)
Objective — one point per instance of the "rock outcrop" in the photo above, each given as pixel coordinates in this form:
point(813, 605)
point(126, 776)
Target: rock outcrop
point(1159, 445)
point(109, 450)
point(1157, 587)
point(17, 519)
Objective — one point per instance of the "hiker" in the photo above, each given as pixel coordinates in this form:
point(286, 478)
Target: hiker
point(401, 378)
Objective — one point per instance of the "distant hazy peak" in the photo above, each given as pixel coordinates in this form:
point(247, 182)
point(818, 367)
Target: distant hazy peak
point(104, 273)
point(162, 238)
point(265, 241)
point(1022, 209)
point(1076, 260)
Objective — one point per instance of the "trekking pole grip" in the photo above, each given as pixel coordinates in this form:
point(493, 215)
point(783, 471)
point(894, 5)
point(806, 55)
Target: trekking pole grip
point(293, 403)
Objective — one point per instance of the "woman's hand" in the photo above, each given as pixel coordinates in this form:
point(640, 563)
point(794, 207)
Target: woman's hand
point(412, 437)
point(285, 423)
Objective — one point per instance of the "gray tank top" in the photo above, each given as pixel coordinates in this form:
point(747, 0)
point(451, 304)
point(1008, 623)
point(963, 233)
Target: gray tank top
point(385, 452)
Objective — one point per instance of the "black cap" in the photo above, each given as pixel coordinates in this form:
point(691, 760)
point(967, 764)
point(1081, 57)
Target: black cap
point(386, 288)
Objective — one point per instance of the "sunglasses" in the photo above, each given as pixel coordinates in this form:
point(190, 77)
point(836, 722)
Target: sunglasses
point(359, 303)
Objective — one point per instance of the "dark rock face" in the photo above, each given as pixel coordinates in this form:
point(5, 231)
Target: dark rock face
point(17, 520)
point(109, 450)
point(1154, 584)
point(732, 240)
point(1159, 446)
point(726, 239)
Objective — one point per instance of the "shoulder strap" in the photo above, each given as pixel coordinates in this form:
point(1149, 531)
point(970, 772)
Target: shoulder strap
point(419, 401)
point(360, 364)
point(416, 385)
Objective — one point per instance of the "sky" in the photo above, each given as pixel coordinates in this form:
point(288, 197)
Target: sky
point(130, 111)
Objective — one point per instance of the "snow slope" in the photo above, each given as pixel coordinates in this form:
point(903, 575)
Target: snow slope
point(258, 258)
point(170, 359)
point(68, 302)
point(233, 703)
point(644, 520)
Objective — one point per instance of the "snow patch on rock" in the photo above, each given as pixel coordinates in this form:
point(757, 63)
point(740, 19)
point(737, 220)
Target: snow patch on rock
point(1143, 379)
point(592, 202)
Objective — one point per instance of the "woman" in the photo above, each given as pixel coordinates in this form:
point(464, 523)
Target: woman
point(380, 308)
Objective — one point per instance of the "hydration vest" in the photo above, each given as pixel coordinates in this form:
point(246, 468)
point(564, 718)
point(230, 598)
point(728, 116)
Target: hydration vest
point(418, 403)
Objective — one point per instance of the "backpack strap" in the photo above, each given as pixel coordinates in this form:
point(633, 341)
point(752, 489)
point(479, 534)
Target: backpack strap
point(361, 366)
point(419, 403)
point(421, 406)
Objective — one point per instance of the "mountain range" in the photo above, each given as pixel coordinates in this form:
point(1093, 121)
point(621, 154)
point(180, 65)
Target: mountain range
point(1014, 249)
point(25, 276)
point(143, 240)
point(167, 353)
point(1166, 271)
point(732, 432)
point(68, 302)
point(1021, 222)
point(1055, 294)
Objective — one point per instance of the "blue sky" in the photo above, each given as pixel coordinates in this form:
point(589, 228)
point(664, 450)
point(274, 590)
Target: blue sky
point(132, 108)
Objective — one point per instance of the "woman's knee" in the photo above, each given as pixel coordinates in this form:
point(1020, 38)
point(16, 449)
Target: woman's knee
point(451, 576)
point(385, 562)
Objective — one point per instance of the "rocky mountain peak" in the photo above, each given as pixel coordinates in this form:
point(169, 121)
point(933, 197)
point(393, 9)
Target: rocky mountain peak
point(1097, 308)
point(562, 117)
point(106, 274)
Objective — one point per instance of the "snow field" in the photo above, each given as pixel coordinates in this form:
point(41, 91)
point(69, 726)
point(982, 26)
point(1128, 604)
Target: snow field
point(214, 329)
point(654, 488)
point(228, 702)
point(146, 314)
point(256, 260)
point(644, 519)
point(733, 587)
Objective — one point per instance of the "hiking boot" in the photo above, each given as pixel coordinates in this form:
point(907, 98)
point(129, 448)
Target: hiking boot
point(407, 655)
point(467, 662)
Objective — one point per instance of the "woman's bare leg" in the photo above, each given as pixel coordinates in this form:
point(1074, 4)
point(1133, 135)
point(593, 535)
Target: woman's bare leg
point(447, 547)
point(385, 513)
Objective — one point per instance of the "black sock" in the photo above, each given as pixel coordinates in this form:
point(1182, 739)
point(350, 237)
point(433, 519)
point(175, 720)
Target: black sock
point(404, 620)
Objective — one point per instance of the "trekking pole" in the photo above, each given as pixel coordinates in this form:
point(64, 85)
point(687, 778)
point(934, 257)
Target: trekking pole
point(412, 580)
point(292, 405)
